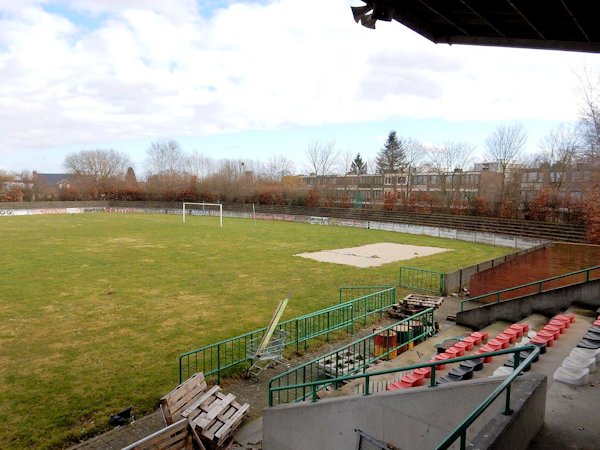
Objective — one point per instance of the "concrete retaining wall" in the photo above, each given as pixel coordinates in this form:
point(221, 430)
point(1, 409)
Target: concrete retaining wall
point(412, 419)
point(513, 310)
point(51, 205)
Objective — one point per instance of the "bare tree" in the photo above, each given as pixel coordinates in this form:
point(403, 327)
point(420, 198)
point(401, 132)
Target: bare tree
point(100, 164)
point(321, 158)
point(589, 123)
point(448, 161)
point(165, 158)
point(199, 166)
point(278, 166)
point(345, 162)
point(414, 153)
point(505, 145)
point(560, 148)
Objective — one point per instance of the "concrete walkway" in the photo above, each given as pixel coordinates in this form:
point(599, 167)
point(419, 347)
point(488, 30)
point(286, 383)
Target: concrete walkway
point(572, 412)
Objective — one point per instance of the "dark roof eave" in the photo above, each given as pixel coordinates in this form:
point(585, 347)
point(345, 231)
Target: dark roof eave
point(589, 47)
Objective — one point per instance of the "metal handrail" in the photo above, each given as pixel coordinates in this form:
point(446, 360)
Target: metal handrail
point(461, 430)
point(362, 288)
point(421, 279)
point(361, 349)
point(498, 294)
point(222, 355)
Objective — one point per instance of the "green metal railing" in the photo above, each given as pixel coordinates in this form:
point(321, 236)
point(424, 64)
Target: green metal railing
point(422, 280)
point(312, 387)
point(537, 287)
point(350, 359)
point(347, 293)
point(215, 358)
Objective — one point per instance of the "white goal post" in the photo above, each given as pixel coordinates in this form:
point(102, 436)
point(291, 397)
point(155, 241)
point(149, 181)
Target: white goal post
point(203, 205)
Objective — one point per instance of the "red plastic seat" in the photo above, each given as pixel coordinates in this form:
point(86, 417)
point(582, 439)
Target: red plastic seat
point(518, 329)
point(562, 326)
point(562, 318)
point(502, 342)
point(553, 329)
point(415, 378)
point(489, 347)
point(525, 327)
point(512, 334)
point(482, 334)
point(471, 340)
point(455, 352)
point(441, 357)
point(424, 371)
point(465, 345)
point(476, 339)
point(398, 385)
point(548, 336)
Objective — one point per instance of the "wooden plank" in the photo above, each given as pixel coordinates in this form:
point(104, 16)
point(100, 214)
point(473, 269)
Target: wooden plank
point(225, 415)
point(218, 406)
point(202, 423)
point(196, 404)
point(232, 423)
point(171, 437)
point(175, 401)
point(210, 431)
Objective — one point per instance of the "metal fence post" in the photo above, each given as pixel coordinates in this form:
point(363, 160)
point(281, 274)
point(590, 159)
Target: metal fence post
point(219, 364)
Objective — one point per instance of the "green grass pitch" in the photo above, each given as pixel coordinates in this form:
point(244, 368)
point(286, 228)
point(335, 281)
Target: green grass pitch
point(95, 308)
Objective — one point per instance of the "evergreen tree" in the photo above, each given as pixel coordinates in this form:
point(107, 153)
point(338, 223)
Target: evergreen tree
point(358, 167)
point(130, 179)
point(391, 158)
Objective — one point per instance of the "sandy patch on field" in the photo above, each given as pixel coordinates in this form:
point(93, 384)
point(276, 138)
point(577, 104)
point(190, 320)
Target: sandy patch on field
point(372, 255)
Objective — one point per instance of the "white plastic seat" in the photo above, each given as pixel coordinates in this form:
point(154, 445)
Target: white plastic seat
point(573, 377)
point(585, 353)
point(574, 363)
point(502, 371)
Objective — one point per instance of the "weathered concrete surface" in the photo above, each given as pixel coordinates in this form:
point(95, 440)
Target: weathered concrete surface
point(513, 310)
point(517, 430)
point(572, 420)
point(412, 419)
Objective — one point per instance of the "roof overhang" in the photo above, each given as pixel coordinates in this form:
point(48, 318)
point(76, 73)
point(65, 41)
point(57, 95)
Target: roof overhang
point(541, 24)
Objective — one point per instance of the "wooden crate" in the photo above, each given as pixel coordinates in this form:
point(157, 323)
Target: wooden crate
point(214, 416)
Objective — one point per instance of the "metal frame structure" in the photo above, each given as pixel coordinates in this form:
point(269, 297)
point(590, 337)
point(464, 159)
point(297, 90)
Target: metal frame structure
point(205, 204)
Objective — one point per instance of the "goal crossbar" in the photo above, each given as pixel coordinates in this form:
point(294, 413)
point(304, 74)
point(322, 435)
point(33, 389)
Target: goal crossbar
point(205, 204)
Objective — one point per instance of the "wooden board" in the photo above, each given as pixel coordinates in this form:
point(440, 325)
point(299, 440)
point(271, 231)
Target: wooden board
point(177, 436)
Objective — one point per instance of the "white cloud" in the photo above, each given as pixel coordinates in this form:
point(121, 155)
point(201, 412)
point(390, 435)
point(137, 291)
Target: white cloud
point(153, 68)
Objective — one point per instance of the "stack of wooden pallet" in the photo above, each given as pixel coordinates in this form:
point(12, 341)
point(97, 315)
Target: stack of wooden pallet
point(423, 301)
point(213, 415)
point(340, 364)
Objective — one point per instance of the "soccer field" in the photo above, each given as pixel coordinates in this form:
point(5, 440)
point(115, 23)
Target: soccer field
point(95, 308)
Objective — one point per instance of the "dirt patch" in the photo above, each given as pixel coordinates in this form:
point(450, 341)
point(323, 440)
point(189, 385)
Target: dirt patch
point(372, 255)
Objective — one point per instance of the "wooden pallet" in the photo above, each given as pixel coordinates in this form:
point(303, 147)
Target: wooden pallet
point(340, 366)
point(426, 301)
point(213, 415)
point(178, 436)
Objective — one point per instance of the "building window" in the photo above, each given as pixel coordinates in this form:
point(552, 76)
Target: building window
point(531, 177)
point(556, 177)
point(419, 179)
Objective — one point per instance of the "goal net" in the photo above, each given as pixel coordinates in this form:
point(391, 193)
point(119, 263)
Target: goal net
point(203, 209)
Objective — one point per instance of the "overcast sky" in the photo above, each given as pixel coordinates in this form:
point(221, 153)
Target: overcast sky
point(250, 79)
